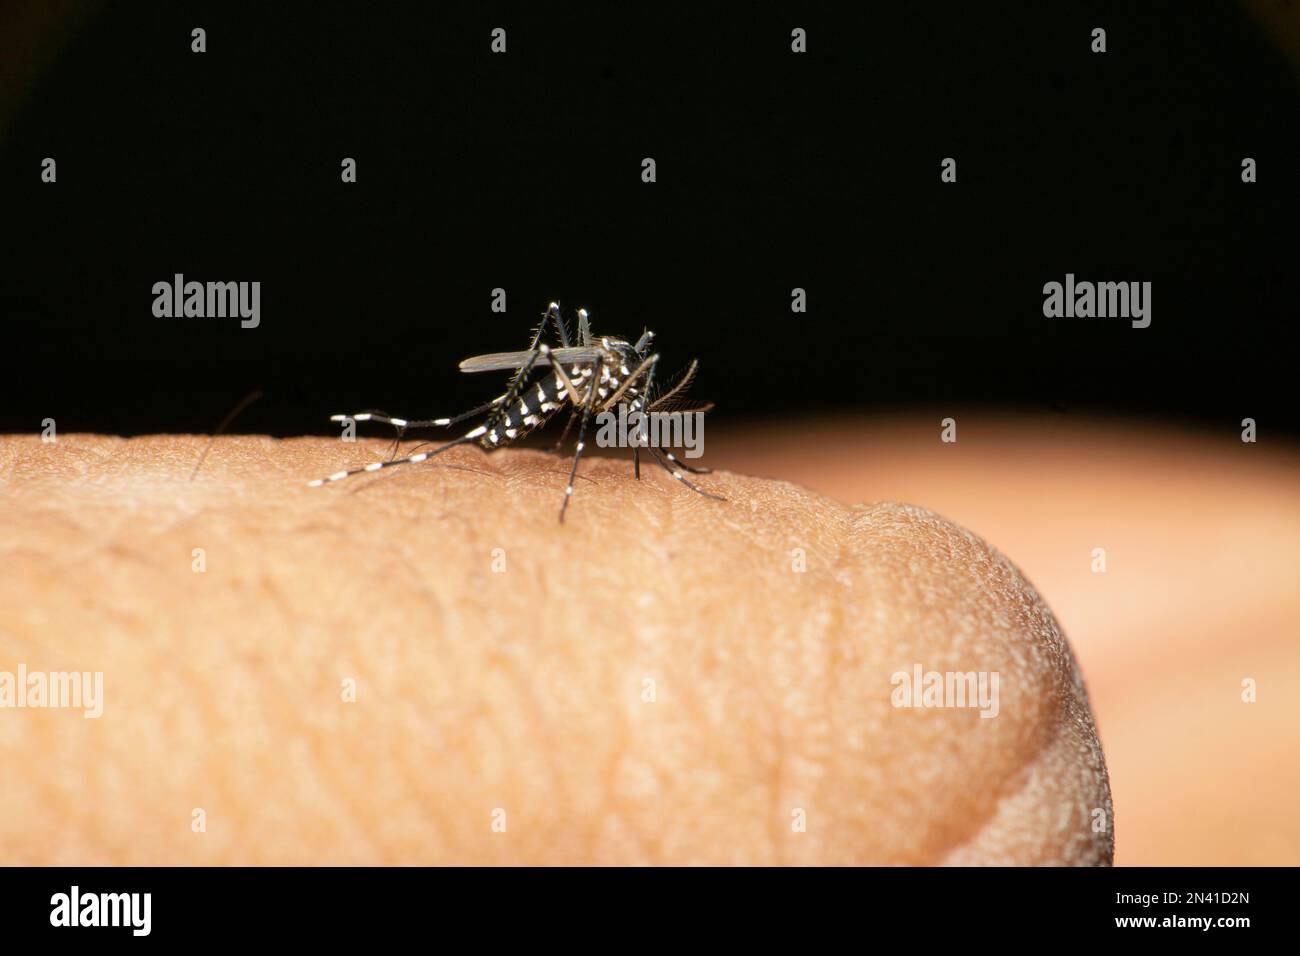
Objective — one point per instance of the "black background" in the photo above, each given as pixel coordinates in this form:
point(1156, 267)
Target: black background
point(775, 170)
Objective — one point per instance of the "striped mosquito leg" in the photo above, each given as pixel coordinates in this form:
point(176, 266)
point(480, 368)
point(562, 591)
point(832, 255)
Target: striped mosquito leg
point(646, 396)
point(574, 395)
point(630, 379)
point(409, 460)
point(399, 425)
point(648, 390)
point(582, 432)
point(568, 427)
point(404, 424)
point(384, 419)
point(552, 312)
point(646, 368)
point(682, 478)
point(685, 467)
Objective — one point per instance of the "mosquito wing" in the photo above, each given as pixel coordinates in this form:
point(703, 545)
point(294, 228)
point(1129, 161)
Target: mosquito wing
point(496, 361)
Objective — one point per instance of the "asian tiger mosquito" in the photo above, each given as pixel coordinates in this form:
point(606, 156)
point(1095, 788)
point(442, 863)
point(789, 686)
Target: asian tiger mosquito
point(601, 373)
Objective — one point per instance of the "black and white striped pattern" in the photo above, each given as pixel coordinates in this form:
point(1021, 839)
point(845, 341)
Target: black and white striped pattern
point(620, 372)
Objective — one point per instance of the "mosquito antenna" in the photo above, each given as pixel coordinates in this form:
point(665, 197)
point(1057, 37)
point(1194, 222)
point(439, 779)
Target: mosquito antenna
point(680, 386)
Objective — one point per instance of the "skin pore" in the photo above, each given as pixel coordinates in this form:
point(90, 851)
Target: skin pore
point(424, 667)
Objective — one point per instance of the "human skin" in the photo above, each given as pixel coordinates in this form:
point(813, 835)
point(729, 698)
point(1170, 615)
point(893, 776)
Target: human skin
point(1201, 536)
point(651, 682)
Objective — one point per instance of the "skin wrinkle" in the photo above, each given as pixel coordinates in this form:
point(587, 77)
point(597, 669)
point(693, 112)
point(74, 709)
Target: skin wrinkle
point(606, 815)
point(347, 811)
point(292, 734)
point(949, 555)
point(611, 818)
point(604, 807)
point(1067, 711)
point(408, 774)
point(870, 588)
point(1011, 787)
point(837, 626)
point(412, 779)
point(538, 726)
point(501, 661)
point(490, 726)
point(647, 654)
point(522, 689)
point(348, 805)
point(816, 640)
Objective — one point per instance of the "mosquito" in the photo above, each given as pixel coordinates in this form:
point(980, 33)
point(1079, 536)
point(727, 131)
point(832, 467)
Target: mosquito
point(589, 377)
